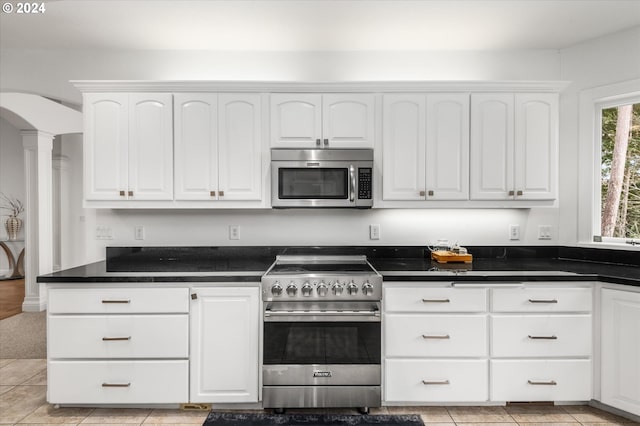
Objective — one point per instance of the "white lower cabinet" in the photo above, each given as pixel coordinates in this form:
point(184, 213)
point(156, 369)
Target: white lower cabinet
point(620, 349)
point(421, 380)
point(118, 382)
point(541, 380)
point(445, 342)
point(116, 346)
point(225, 331)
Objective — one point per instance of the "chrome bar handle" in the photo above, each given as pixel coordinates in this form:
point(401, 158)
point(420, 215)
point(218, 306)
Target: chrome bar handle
point(549, 383)
point(326, 142)
point(543, 301)
point(317, 142)
point(116, 301)
point(116, 385)
point(352, 189)
point(436, 336)
point(436, 300)
point(543, 337)
point(113, 339)
point(269, 313)
point(431, 382)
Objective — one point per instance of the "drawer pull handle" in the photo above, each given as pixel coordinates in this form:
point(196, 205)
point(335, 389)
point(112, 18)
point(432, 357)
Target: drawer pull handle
point(543, 301)
point(436, 336)
point(549, 383)
point(431, 382)
point(116, 301)
point(435, 300)
point(112, 339)
point(543, 337)
point(116, 385)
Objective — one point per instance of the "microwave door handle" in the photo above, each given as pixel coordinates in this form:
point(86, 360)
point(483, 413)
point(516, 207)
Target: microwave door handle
point(352, 183)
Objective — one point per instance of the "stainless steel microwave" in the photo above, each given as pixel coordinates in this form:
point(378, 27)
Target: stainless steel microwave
point(321, 178)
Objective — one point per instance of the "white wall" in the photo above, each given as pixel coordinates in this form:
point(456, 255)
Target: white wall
point(603, 61)
point(24, 71)
point(11, 176)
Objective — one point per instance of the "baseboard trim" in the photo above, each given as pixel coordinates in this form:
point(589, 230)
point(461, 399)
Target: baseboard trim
point(33, 304)
point(618, 412)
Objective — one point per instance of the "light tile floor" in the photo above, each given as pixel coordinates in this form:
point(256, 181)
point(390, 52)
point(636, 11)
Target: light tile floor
point(23, 384)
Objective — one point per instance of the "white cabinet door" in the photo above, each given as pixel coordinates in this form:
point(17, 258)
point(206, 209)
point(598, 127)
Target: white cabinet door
point(492, 145)
point(347, 121)
point(620, 350)
point(536, 146)
point(403, 147)
point(225, 330)
point(240, 147)
point(106, 141)
point(150, 146)
point(447, 146)
point(296, 120)
point(196, 146)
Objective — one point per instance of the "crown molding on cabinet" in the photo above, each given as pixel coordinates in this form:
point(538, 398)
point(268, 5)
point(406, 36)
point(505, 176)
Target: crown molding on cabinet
point(85, 86)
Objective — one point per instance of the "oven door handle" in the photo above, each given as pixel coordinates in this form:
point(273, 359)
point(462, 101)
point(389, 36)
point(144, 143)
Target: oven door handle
point(344, 315)
point(352, 183)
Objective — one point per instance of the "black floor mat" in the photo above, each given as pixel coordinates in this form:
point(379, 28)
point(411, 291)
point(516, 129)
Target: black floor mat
point(260, 419)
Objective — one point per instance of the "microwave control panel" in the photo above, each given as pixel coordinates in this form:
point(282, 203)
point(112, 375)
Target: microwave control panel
point(364, 183)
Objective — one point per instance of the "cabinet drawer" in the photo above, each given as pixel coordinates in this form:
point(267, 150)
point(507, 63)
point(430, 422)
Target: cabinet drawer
point(435, 299)
point(541, 300)
point(118, 382)
point(435, 335)
point(118, 336)
point(118, 300)
point(436, 380)
point(543, 380)
point(540, 335)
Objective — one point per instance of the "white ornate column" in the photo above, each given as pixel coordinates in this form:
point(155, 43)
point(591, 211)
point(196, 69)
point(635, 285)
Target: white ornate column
point(60, 202)
point(38, 225)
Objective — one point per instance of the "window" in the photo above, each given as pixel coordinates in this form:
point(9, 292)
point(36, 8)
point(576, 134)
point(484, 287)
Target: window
point(620, 172)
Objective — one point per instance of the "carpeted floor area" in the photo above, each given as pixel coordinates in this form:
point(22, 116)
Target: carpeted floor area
point(24, 336)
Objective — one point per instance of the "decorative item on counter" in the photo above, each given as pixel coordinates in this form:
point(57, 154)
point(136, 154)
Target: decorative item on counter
point(442, 252)
point(13, 224)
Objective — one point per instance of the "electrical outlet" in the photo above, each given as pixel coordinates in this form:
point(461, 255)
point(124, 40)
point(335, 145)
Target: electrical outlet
point(514, 232)
point(234, 232)
point(374, 232)
point(138, 232)
point(104, 233)
point(544, 232)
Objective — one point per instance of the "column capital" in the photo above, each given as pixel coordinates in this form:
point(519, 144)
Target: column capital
point(32, 139)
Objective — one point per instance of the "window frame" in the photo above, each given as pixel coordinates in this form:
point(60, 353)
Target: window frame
point(592, 102)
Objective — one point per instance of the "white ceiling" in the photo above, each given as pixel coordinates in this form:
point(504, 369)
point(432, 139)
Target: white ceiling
point(317, 25)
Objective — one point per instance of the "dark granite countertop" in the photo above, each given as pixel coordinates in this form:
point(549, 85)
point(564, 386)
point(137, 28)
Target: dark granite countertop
point(220, 264)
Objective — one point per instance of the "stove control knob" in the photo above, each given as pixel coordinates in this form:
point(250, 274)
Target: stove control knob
point(276, 290)
point(307, 289)
point(337, 288)
point(322, 289)
point(367, 289)
point(292, 289)
point(352, 288)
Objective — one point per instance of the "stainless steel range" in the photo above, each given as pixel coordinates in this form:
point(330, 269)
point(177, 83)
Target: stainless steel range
point(321, 333)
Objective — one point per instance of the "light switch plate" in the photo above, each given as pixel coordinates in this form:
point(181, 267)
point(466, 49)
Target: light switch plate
point(138, 232)
point(544, 232)
point(374, 232)
point(514, 232)
point(234, 232)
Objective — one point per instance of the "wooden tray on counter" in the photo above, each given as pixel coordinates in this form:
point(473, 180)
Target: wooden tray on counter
point(442, 256)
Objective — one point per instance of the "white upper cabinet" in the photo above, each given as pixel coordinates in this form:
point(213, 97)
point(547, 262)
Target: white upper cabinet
point(240, 147)
point(218, 146)
point(129, 146)
point(322, 120)
point(196, 146)
point(425, 147)
point(403, 147)
point(106, 145)
point(536, 130)
point(514, 146)
point(448, 146)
